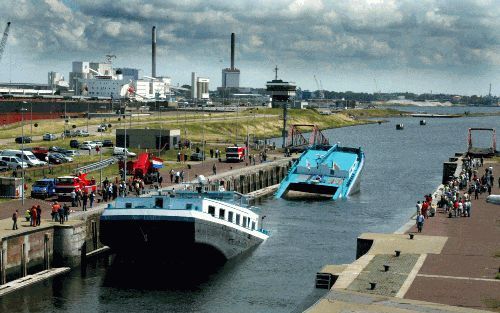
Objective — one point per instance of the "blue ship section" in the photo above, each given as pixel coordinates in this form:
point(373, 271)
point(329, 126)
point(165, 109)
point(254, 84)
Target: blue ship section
point(325, 170)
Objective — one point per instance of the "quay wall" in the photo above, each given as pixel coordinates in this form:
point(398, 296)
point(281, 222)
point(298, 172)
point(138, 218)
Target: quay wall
point(47, 246)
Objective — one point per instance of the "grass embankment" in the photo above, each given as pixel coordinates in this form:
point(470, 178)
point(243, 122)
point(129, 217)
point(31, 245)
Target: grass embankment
point(373, 113)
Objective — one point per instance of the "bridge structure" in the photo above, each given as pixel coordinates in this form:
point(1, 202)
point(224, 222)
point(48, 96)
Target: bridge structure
point(297, 142)
point(482, 151)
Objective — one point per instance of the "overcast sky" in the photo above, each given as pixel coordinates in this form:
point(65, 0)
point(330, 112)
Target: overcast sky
point(360, 45)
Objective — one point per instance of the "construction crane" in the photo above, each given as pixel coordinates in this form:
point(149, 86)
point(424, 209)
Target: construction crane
point(4, 39)
point(320, 88)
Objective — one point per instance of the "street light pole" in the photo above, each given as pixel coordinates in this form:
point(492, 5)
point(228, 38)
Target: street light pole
point(22, 159)
point(88, 116)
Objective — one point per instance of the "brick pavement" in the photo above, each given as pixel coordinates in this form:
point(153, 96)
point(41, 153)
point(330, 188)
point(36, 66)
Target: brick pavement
point(468, 258)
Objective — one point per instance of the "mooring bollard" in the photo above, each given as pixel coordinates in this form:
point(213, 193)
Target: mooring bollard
point(411, 236)
point(386, 267)
point(397, 252)
point(372, 286)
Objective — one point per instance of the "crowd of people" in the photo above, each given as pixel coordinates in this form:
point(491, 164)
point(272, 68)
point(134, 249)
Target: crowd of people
point(456, 197)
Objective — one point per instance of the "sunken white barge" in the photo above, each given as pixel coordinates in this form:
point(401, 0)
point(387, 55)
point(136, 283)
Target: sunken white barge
point(182, 226)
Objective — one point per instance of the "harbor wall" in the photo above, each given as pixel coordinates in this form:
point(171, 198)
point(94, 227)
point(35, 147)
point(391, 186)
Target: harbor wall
point(47, 246)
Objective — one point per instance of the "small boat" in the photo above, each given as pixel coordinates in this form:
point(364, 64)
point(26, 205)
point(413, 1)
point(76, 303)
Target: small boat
point(423, 122)
point(182, 225)
point(324, 171)
point(400, 126)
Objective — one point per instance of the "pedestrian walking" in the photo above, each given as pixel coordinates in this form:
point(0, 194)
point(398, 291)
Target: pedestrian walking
point(177, 177)
point(79, 195)
point(55, 210)
point(66, 212)
point(211, 153)
point(33, 216)
point(14, 220)
point(91, 198)
point(171, 173)
point(73, 198)
point(214, 169)
point(420, 222)
point(160, 180)
point(181, 175)
point(38, 215)
point(60, 213)
point(84, 201)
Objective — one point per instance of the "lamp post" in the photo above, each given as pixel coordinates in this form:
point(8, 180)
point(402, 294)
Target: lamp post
point(100, 150)
point(88, 116)
point(22, 159)
point(160, 142)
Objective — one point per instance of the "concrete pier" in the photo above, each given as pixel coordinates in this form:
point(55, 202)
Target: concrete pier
point(449, 267)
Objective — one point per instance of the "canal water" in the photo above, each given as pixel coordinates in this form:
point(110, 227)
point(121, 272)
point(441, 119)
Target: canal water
point(278, 276)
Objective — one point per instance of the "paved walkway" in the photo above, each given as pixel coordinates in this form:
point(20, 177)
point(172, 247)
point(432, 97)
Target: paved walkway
point(463, 274)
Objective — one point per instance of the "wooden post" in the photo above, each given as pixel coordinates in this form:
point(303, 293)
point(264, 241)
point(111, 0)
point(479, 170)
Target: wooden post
point(24, 270)
point(83, 256)
point(3, 260)
point(94, 234)
point(46, 256)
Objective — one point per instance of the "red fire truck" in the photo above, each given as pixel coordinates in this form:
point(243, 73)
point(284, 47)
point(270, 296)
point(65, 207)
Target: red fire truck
point(235, 154)
point(66, 184)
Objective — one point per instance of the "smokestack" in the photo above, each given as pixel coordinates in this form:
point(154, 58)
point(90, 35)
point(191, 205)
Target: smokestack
point(153, 52)
point(232, 51)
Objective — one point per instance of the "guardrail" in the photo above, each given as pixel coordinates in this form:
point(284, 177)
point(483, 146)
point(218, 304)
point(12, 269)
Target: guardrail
point(96, 166)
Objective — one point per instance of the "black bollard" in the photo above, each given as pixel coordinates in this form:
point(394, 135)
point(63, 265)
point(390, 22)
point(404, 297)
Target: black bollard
point(397, 252)
point(372, 286)
point(386, 267)
point(411, 236)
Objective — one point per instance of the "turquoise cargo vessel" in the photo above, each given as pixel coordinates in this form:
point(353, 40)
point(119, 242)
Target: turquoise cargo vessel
point(324, 170)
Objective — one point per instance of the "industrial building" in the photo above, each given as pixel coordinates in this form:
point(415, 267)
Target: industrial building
point(148, 138)
point(231, 76)
point(199, 87)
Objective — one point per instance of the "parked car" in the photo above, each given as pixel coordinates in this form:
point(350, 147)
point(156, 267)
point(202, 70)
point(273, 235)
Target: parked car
point(73, 143)
point(4, 166)
point(85, 146)
point(97, 143)
point(49, 137)
point(24, 139)
point(56, 149)
point(54, 159)
point(197, 156)
point(122, 151)
point(68, 133)
point(71, 153)
point(107, 143)
point(43, 188)
point(82, 133)
point(24, 155)
point(63, 157)
point(102, 128)
point(13, 162)
point(90, 143)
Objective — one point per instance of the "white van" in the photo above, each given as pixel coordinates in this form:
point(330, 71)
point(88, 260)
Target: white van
point(13, 162)
point(121, 151)
point(26, 156)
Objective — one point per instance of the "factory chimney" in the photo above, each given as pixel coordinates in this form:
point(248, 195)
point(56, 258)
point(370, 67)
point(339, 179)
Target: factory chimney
point(153, 52)
point(232, 51)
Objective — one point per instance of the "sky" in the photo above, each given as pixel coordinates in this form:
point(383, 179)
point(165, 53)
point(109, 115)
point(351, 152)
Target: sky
point(422, 46)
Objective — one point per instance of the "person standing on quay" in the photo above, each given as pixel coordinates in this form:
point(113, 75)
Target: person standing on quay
point(85, 197)
point(420, 222)
point(34, 217)
point(14, 220)
point(38, 215)
point(91, 198)
point(214, 169)
point(171, 173)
